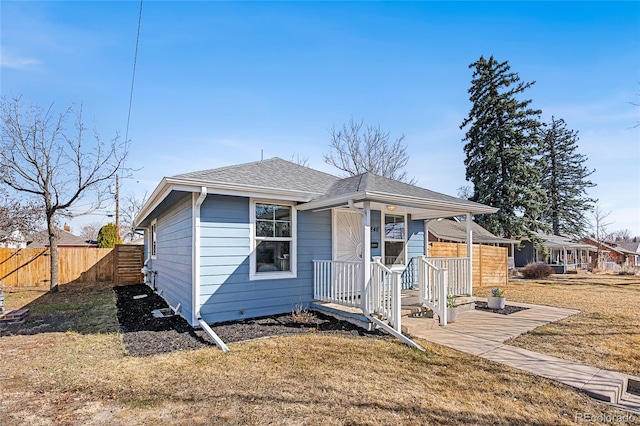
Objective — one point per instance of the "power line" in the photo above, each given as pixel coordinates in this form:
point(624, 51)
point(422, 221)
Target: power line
point(133, 76)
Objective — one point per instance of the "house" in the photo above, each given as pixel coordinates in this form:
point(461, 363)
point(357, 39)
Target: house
point(455, 231)
point(12, 239)
point(259, 238)
point(632, 247)
point(613, 255)
point(563, 253)
point(40, 239)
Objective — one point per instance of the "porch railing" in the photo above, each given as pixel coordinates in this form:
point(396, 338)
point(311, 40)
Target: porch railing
point(337, 282)
point(459, 281)
point(432, 285)
point(384, 293)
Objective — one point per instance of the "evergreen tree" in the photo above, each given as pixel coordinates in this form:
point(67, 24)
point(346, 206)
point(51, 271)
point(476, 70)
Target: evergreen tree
point(564, 178)
point(107, 237)
point(502, 141)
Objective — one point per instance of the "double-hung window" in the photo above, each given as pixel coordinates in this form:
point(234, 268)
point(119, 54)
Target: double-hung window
point(394, 240)
point(273, 240)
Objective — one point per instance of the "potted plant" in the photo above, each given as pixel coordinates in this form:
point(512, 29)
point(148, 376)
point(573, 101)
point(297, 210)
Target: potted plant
point(497, 298)
point(452, 310)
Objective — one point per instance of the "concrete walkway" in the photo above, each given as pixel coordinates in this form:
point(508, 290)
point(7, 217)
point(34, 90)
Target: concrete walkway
point(483, 334)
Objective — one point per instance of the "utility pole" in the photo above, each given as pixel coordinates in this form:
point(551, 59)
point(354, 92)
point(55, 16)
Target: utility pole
point(117, 210)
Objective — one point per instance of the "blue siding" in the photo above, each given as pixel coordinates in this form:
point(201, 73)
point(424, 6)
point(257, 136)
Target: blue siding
point(226, 293)
point(173, 260)
point(415, 243)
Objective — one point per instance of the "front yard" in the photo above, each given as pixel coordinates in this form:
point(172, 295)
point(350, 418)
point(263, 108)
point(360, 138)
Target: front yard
point(606, 332)
point(78, 372)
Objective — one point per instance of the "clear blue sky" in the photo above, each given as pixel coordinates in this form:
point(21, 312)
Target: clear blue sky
point(217, 82)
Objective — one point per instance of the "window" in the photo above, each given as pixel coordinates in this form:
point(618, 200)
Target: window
point(394, 240)
point(153, 238)
point(273, 244)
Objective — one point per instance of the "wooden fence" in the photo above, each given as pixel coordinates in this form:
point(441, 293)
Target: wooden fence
point(31, 267)
point(490, 264)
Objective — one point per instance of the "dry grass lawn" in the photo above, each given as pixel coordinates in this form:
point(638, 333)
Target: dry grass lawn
point(606, 333)
point(83, 376)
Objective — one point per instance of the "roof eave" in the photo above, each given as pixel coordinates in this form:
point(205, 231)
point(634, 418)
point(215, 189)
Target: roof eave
point(168, 184)
point(402, 200)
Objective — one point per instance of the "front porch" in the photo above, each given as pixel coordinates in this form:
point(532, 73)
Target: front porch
point(420, 290)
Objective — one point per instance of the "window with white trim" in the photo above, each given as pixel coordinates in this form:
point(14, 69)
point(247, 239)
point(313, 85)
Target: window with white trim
point(273, 240)
point(394, 240)
point(153, 235)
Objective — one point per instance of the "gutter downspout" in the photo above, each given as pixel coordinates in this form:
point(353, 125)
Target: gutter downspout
point(195, 310)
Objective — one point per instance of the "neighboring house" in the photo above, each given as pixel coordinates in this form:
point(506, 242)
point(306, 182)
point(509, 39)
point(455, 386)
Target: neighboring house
point(632, 247)
point(563, 253)
point(455, 231)
point(12, 239)
point(41, 239)
point(260, 238)
point(614, 254)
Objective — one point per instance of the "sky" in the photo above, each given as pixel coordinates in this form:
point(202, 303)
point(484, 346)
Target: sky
point(222, 83)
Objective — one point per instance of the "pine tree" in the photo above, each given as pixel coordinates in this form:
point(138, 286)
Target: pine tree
point(502, 141)
point(564, 178)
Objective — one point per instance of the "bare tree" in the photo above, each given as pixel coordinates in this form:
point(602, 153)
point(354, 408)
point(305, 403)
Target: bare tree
point(622, 235)
point(131, 206)
point(90, 231)
point(599, 226)
point(303, 161)
point(465, 192)
point(20, 215)
point(355, 150)
point(56, 166)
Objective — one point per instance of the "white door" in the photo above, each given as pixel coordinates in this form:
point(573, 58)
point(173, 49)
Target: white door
point(347, 247)
point(347, 232)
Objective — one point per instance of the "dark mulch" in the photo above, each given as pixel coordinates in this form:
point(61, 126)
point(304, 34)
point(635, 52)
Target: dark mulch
point(508, 309)
point(143, 334)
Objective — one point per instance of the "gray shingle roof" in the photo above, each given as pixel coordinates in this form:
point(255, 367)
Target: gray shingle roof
point(274, 173)
point(369, 182)
point(41, 240)
point(631, 246)
point(451, 229)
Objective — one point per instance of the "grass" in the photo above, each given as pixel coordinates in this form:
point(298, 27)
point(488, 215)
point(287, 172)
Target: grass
point(606, 332)
point(83, 375)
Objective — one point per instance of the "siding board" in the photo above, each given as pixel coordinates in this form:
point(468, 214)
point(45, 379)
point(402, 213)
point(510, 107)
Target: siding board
point(226, 291)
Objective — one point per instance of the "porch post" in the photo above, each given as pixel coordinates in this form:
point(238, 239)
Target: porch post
point(426, 238)
point(564, 259)
point(366, 255)
point(470, 252)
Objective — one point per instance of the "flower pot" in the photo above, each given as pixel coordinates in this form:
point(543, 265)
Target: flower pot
point(452, 314)
point(496, 302)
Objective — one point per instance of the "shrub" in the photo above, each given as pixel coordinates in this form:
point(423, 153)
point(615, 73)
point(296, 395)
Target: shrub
point(627, 270)
point(536, 271)
point(301, 315)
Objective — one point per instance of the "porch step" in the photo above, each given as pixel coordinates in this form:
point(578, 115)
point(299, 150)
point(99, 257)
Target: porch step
point(412, 324)
point(465, 303)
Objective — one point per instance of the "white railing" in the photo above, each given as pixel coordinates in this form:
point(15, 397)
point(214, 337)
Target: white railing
point(384, 293)
point(432, 285)
point(337, 282)
point(459, 281)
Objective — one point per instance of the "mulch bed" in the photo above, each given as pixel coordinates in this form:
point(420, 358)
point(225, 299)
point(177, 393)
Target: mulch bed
point(508, 309)
point(144, 334)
